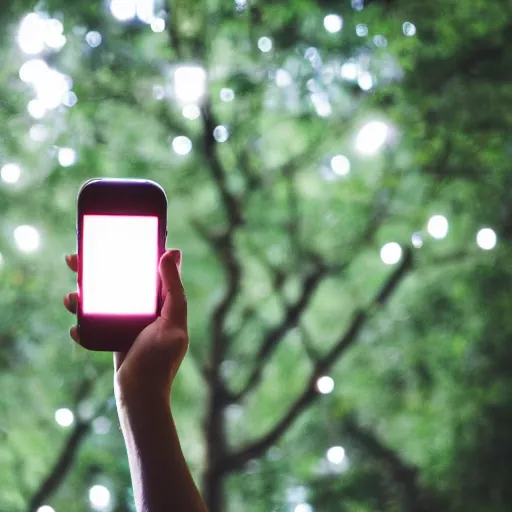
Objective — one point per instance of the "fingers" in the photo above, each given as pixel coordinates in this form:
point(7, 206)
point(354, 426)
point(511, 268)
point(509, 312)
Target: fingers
point(73, 332)
point(174, 309)
point(72, 262)
point(71, 302)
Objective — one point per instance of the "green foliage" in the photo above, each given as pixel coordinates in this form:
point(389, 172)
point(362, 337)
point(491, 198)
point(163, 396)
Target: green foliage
point(421, 401)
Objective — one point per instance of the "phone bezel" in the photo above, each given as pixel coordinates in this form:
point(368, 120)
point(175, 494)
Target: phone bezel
point(108, 196)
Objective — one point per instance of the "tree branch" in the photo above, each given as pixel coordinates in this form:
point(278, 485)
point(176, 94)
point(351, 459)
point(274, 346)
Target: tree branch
point(257, 448)
point(289, 321)
point(223, 244)
point(66, 457)
point(309, 285)
point(404, 474)
point(61, 467)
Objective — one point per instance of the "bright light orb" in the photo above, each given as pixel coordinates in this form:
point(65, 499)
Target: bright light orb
point(437, 227)
point(32, 69)
point(371, 137)
point(93, 38)
point(227, 94)
point(365, 81)
point(54, 37)
point(51, 88)
point(36, 109)
point(265, 44)
point(349, 70)
point(64, 417)
point(486, 239)
point(221, 133)
point(321, 103)
point(66, 157)
point(409, 29)
point(361, 30)
point(325, 385)
point(27, 238)
point(145, 10)
point(336, 454)
point(182, 145)
point(123, 10)
point(417, 240)
point(99, 496)
point(158, 25)
point(390, 253)
point(333, 23)
point(1, 259)
point(283, 78)
point(303, 507)
point(340, 165)
point(191, 112)
point(31, 34)
point(10, 173)
point(189, 84)
point(45, 508)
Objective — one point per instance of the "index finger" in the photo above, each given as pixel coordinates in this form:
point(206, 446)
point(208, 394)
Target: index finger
point(72, 262)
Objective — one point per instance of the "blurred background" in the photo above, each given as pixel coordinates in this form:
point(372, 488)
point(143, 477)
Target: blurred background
point(338, 176)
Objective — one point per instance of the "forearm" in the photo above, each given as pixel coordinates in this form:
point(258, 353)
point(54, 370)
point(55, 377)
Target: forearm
point(160, 476)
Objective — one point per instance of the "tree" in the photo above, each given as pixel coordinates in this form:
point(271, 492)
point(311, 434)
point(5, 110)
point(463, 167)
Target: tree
point(297, 142)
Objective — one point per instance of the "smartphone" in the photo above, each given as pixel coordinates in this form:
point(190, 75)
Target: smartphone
point(121, 235)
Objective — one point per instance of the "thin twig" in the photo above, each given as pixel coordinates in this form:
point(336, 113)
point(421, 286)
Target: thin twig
point(323, 365)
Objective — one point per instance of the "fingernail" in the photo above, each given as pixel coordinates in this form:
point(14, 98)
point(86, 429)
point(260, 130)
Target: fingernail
point(176, 256)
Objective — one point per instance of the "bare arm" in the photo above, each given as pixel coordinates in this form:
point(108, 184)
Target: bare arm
point(143, 380)
point(160, 476)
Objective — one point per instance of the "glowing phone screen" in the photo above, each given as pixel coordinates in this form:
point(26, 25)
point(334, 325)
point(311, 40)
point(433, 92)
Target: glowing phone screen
point(120, 262)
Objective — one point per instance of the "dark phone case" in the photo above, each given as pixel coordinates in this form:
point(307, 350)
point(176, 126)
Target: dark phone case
point(110, 197)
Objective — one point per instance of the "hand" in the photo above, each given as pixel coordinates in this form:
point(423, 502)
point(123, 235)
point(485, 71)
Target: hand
point(150, 365)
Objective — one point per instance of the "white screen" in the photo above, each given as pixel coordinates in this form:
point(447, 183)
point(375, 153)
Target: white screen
point(120, 262)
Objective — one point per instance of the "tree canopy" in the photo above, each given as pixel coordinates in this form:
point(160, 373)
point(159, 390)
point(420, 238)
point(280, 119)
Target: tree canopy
point(338, 179)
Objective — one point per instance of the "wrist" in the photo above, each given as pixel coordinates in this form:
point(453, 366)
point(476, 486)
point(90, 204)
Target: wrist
point(137, 401)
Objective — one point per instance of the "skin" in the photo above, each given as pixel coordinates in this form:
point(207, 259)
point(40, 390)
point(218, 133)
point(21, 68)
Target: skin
point(143, 379)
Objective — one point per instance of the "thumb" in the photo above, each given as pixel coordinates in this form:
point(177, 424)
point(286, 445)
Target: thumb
point(174, 309)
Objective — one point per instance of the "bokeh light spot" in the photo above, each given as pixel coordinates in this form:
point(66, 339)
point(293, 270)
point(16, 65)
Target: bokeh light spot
point(182, 145)
point(390, 253)
point(123, 10)
point(265, 44)
point(66, 157)
point(409, 29)
point(93, 38)
point(27, 238)
point(158, 25)
point(340, 165)
point(64, 417)
point(437, 227)
point(191, 112)
point(417, 240)
point(221, 133)
point(336, 454)
point(371, 137)
point(325, 385)
point(333, 23)
point(189, 84)
point(10, 173)
point(361, 30)
point(486, 239)
point(99, 496)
